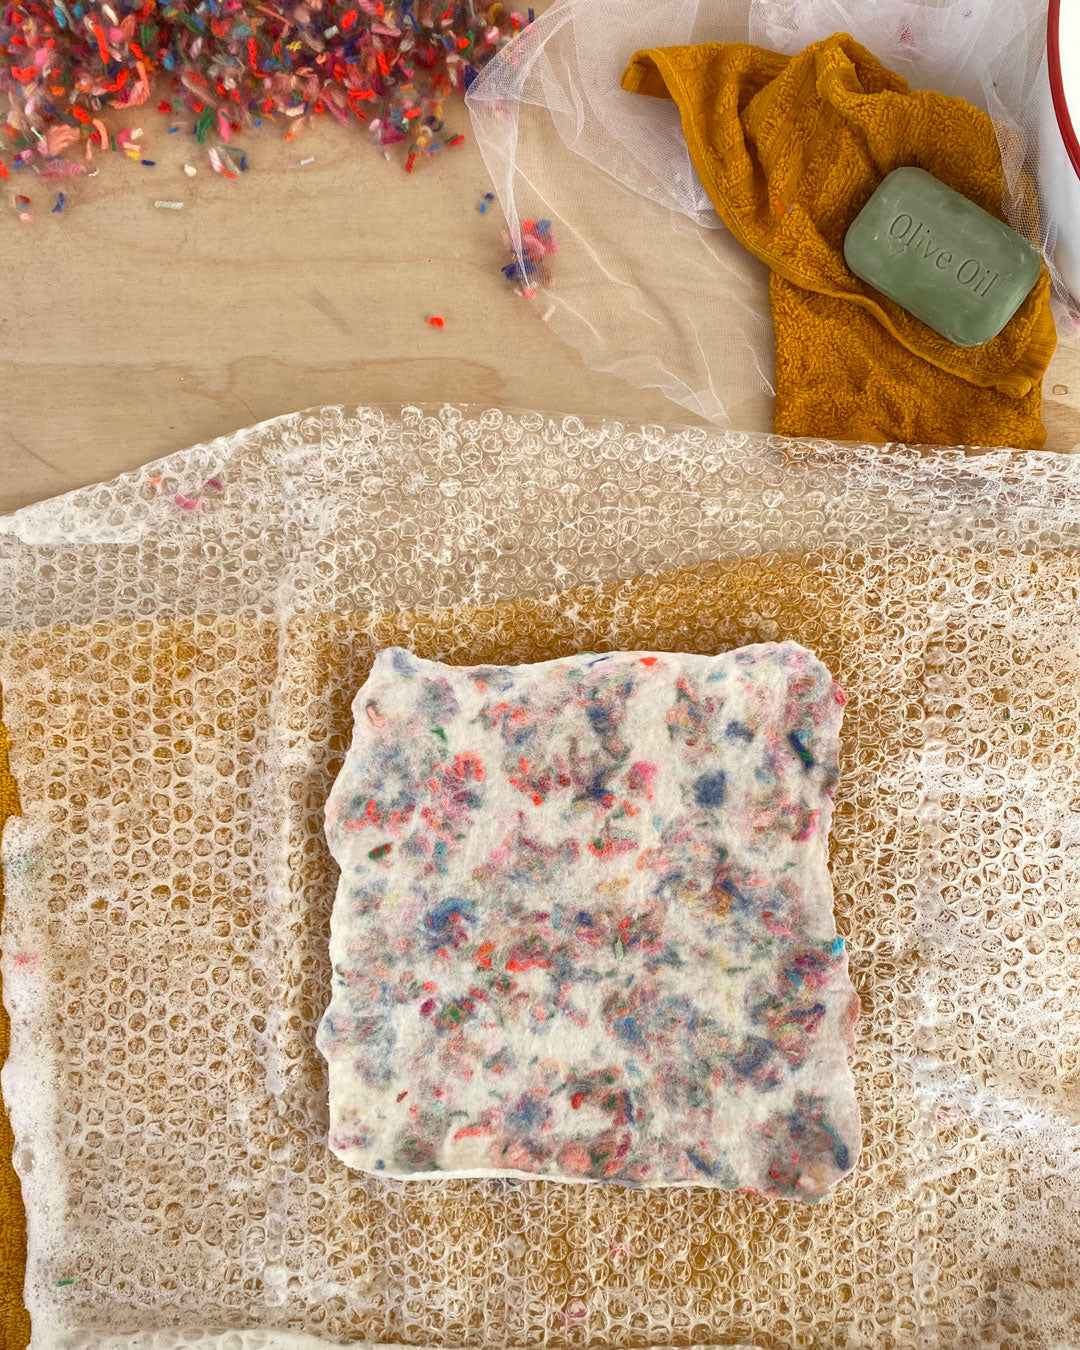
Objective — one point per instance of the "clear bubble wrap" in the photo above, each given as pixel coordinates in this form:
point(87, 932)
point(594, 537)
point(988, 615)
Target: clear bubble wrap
point(178, 651)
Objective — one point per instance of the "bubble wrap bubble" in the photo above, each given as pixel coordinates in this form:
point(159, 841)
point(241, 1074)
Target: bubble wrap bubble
point(178, 651)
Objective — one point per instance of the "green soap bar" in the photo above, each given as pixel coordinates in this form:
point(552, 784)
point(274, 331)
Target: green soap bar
point(941, 257)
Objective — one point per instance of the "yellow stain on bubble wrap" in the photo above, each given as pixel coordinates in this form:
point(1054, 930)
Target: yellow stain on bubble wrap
point(14, 1319)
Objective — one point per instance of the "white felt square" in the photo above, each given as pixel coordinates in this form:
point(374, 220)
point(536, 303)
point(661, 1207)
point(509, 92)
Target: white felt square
point(584, 924)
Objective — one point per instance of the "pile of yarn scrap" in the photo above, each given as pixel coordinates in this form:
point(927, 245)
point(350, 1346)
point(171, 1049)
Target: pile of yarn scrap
point(69, 69)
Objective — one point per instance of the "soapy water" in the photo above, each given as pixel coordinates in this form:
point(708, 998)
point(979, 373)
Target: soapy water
point(177, 683)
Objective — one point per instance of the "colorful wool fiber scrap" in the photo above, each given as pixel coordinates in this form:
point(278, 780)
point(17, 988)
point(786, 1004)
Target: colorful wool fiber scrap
point(530, 256)
point(584, 923)
point(232, 65)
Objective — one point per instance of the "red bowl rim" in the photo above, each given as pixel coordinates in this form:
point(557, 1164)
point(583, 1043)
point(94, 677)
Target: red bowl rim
point(1057, 87)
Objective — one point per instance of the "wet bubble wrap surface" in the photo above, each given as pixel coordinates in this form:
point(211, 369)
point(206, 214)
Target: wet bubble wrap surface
point(178, 652)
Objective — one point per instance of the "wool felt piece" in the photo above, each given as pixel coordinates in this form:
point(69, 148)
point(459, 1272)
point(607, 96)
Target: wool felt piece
point(584, 925)
point(789, 150)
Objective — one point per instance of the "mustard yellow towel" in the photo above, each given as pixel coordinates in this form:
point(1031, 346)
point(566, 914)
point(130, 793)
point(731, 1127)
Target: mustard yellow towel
point(790, 149)
point(14, 1321)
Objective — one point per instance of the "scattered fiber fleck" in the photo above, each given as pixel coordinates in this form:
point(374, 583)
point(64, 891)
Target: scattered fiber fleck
point(227, 161)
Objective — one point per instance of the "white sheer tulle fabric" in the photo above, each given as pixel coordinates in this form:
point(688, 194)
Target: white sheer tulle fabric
point(179, 649)
point(647, 283)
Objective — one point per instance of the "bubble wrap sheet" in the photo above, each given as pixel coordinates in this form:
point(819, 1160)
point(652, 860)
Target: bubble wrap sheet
point(178, 652)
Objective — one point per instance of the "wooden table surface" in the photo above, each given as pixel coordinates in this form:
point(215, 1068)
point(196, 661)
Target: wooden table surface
point(128, 331)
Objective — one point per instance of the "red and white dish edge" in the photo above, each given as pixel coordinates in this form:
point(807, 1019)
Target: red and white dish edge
point(1060, 150)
